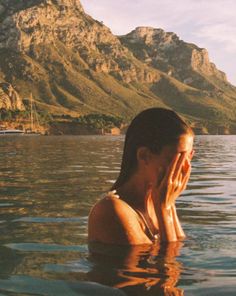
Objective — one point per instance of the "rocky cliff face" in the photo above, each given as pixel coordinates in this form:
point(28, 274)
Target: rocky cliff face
point(166, 52)
point(74, 65)
point(10, 7)
point(47, 22)
point(9, 98)
point(29, 23)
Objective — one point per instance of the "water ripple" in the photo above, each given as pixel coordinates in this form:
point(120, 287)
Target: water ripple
point(48, 185)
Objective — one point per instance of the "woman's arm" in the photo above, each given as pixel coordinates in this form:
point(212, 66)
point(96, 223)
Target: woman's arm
point(178, 228)
point(166, 224)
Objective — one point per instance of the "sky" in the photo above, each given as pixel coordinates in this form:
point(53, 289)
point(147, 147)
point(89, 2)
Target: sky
point(210, 24)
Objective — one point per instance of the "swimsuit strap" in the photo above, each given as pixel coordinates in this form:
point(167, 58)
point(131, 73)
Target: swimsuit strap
point(152, 235)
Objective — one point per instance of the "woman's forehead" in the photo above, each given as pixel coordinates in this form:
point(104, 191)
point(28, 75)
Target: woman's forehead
point(184, 144)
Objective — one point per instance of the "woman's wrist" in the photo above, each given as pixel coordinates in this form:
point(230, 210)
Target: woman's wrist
point(166, 223)
point(178, 228)
point(164, 206)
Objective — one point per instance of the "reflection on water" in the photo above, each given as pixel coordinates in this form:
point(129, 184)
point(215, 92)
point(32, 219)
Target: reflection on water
point(47, 187)
point(138, 270)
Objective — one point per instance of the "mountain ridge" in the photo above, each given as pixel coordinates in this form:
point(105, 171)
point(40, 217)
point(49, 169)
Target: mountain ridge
point(74, 65)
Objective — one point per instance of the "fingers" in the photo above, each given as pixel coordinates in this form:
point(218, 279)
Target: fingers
point(172, 167)
point(179, 166)
point(191, 155)
point(167, 185)
point(176, 178)
point(186, 178)
point(182, 174)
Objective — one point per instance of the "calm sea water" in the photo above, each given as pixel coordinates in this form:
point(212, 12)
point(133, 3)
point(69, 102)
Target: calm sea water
point(47, 186)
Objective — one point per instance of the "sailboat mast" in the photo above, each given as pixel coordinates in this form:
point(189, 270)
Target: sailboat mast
point(31, 112)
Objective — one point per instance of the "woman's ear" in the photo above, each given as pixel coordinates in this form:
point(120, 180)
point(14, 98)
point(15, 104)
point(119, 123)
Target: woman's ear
point(143, 155)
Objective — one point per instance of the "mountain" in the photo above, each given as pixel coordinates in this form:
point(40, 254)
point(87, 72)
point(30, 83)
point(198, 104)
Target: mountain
point(9, 98)
point(74, 65)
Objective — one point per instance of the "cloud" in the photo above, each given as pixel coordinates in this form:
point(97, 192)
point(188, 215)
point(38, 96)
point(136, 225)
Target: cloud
point(222, 34)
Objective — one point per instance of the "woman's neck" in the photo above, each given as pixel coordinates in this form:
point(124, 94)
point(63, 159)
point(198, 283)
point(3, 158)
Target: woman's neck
point(135, 192)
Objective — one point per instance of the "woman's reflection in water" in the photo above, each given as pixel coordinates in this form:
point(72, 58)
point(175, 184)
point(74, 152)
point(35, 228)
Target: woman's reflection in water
point(137, 270)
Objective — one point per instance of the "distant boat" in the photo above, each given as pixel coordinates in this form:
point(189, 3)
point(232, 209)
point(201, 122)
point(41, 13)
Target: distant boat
point(34, 121)
point(34, 124)
point(13, 132)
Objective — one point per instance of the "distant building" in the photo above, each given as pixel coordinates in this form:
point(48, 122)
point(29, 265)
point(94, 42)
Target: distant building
point(115, 131)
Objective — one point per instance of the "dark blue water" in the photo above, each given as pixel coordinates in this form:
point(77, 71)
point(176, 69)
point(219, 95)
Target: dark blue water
point(47, 187)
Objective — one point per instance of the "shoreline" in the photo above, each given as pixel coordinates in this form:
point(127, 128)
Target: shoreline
point(73, 128)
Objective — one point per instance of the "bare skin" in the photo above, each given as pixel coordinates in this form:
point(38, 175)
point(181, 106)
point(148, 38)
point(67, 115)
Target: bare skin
point(152, 190)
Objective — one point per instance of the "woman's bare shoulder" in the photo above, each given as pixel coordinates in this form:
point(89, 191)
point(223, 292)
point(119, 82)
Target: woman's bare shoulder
point(110, 205)
point(112, 220)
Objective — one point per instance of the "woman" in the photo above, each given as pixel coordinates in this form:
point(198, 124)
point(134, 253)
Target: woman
point(155, 170)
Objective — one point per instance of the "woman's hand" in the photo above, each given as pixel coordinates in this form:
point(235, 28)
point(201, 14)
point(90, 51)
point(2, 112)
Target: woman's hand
point(165, 193)
point(174, 181)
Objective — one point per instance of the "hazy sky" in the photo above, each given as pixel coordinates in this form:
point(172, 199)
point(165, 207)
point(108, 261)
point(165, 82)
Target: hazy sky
point(207, 23)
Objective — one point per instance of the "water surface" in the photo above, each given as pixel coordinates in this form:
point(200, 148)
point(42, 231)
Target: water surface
point(47, 187)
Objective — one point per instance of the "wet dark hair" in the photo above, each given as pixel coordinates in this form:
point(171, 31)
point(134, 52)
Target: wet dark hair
point(152, 128)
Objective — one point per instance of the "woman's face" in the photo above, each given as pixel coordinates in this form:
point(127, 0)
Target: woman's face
point(160, 162)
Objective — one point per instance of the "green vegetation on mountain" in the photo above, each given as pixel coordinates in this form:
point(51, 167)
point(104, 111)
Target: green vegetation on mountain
point(74, 66)
point(99, 121)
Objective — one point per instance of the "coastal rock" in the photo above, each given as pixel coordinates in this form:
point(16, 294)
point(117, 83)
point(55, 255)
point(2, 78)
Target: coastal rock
point(166, 52)
point(9, 98)
point(49, 22)
point(28, 23)
point(73, 64)
point(200, 63)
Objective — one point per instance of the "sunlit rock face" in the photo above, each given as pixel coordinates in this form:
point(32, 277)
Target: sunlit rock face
point(73, 64)
point(40, 23)
point(27, 23)
point(166, 52)
point(9, 98)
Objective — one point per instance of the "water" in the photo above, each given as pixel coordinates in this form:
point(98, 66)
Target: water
point(47, 186)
